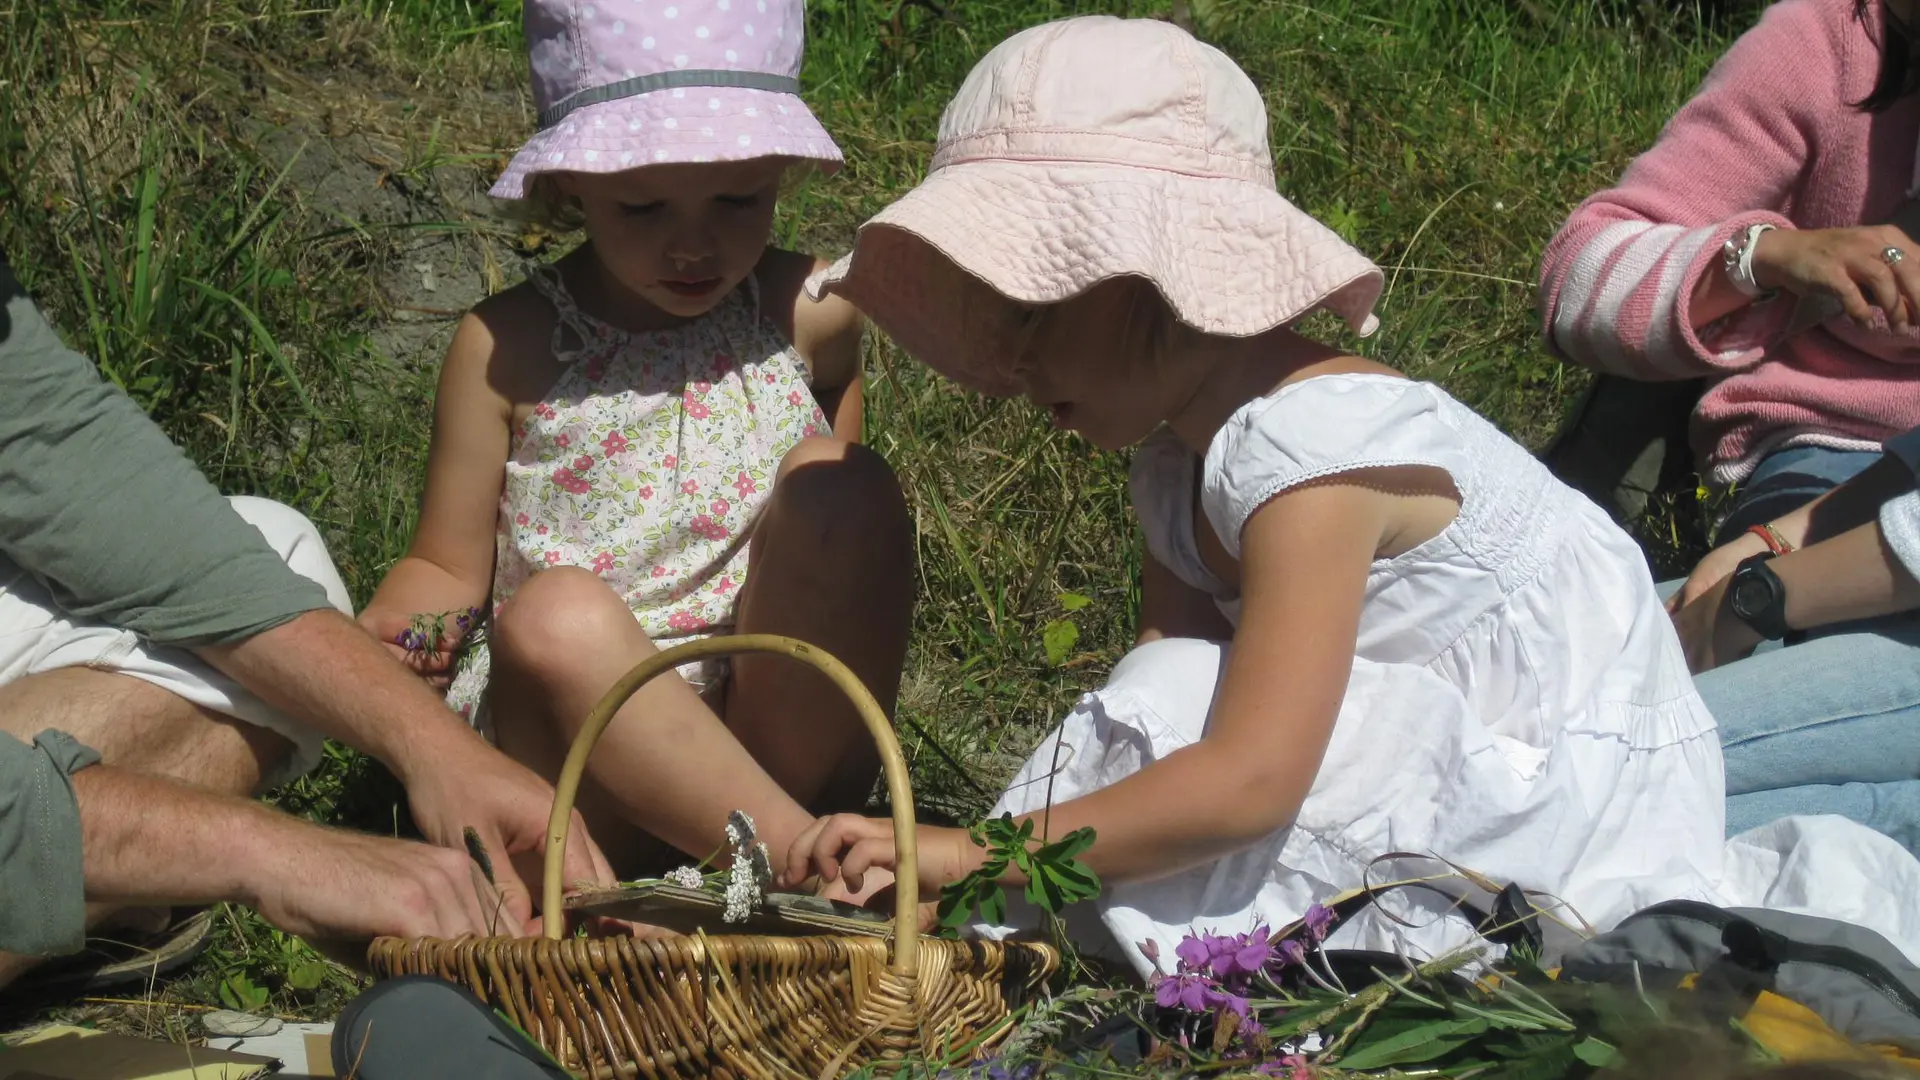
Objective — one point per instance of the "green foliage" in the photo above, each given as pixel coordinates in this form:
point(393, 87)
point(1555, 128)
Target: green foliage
point(176, 187)
point(1055, 876)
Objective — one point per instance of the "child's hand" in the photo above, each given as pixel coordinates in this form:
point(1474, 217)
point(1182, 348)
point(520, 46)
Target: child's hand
point(395, 631)
point(844, 847)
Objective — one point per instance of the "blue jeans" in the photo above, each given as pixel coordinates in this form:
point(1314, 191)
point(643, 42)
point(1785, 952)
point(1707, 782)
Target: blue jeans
point(1830, 725)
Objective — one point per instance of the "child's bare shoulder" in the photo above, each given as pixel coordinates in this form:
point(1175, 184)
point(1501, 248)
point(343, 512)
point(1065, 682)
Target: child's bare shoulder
point(507, 339)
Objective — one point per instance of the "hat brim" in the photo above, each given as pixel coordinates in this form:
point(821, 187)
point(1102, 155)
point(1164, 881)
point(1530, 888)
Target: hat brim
point(1230, 257)
point(689, 124)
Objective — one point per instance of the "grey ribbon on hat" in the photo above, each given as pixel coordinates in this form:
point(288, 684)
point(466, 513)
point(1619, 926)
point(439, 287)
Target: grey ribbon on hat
point(666, 80)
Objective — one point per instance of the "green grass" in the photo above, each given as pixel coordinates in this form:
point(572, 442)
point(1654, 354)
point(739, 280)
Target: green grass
point(245, 295)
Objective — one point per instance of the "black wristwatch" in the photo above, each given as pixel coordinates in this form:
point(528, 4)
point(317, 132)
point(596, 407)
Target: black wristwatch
point(1757, 595)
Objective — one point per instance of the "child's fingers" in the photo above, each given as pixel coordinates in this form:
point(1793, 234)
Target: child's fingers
point(865, 854)
point(800, 859)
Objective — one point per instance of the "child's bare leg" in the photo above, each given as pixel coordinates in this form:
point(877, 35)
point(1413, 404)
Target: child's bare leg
point(832, 565)
point(666, 767)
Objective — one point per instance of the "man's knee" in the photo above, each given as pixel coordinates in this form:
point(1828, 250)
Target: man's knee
point(298, 542)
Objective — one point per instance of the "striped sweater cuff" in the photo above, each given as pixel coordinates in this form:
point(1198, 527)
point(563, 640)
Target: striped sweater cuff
point(1623, 304)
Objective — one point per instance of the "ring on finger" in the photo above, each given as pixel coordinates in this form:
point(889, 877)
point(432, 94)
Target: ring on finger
point(1892, 255)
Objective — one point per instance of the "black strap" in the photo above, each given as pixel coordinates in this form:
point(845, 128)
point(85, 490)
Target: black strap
point(667, 80)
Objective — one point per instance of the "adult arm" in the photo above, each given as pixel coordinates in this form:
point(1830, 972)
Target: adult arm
point(326, 669)
point(1857, 556)
point(100, 505)
point(1632, 285)
point(74, 831)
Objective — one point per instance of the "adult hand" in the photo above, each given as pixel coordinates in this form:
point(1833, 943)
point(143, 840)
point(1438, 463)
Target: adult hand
point(508, 807)
point(328, 884)
point(1710, 633)
point(1848, 265)
point(1716, 567)
point(390, 628)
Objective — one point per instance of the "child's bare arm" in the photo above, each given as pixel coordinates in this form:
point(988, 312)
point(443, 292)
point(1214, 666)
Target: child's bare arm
point(826, 333)
point(449, 566)
point(1304, 563)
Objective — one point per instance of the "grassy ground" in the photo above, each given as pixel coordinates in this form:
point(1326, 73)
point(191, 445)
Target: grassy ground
point(262, 216)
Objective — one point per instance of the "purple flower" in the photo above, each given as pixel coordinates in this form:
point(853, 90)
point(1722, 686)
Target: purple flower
point(1251, 952)
point(1187, 992)
point(1193, 952)
point(1292, 951)
point(1151, 950)
point(1319, 920)
point(1196, 994)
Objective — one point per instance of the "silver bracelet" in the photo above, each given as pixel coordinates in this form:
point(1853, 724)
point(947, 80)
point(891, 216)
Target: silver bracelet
point(1736, 257)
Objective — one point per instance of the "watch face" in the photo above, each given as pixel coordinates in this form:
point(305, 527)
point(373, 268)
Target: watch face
point(1750, 597)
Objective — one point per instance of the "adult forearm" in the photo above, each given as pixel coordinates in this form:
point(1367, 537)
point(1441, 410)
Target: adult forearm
point(1848, 506)
point(1852, 576)
point(329, 673)
point(151, 841)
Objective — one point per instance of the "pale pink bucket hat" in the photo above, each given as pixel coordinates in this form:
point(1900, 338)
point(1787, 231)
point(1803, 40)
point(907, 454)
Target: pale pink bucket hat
point(625, 83)
point(1088, 149)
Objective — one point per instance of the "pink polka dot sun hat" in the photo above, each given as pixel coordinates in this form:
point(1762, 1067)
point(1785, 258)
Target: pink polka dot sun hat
point(1087, 149)
point(626, 83)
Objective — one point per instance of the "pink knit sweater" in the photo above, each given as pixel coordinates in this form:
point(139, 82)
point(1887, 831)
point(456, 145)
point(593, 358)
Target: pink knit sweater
point(1772, 136)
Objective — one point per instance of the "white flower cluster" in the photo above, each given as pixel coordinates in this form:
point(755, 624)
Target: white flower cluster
point(686, 877)
point(752, 872)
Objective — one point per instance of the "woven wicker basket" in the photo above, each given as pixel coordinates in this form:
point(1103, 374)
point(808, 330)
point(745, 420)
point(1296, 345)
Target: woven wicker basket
point(733, 1005)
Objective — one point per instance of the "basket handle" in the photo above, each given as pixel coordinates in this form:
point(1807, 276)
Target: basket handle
point(906, 896)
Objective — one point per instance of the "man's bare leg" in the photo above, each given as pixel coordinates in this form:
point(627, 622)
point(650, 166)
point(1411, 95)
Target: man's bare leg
point(140, 727)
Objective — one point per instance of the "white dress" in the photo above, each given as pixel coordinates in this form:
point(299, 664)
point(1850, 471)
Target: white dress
point(1519, 706)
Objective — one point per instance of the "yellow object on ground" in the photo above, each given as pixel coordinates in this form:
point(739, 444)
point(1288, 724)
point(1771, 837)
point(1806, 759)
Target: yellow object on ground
point(61, 1052)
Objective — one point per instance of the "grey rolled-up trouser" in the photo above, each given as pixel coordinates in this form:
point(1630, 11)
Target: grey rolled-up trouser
point(42, 894)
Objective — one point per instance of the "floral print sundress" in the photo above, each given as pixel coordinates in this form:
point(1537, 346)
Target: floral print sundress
point(647, 463)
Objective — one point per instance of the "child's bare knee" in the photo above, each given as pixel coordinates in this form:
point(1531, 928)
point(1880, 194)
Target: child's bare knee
point(841, 484)
point(553, 617)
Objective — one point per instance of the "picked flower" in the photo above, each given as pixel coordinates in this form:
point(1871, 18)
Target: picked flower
point(686, 877)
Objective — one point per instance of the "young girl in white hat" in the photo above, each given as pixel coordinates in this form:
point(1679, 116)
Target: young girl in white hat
point(1371, 624)
point(654, 440)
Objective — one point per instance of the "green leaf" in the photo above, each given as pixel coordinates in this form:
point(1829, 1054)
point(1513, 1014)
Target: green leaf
point(1067, 848)
point(307, 975)
point(1595, 1053)
point(1059, 637)
point(1073, 601)
point(993, 905)
point(1422, 1043)
point(237, 992)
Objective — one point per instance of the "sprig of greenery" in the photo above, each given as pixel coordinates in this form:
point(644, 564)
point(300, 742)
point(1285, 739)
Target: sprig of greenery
point(1055, 876)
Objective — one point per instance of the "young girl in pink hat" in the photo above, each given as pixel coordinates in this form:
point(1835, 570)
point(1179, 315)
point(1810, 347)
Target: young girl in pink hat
point(656, 439)
point(1371, 624)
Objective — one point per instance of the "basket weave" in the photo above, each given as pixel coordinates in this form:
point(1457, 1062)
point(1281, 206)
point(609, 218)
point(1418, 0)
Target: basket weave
point(737, 1006)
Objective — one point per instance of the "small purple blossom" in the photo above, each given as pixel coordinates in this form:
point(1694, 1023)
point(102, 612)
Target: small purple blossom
point(1291, 1067)
point(411, 640)
point(1319, 921)
point(1293, 951)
